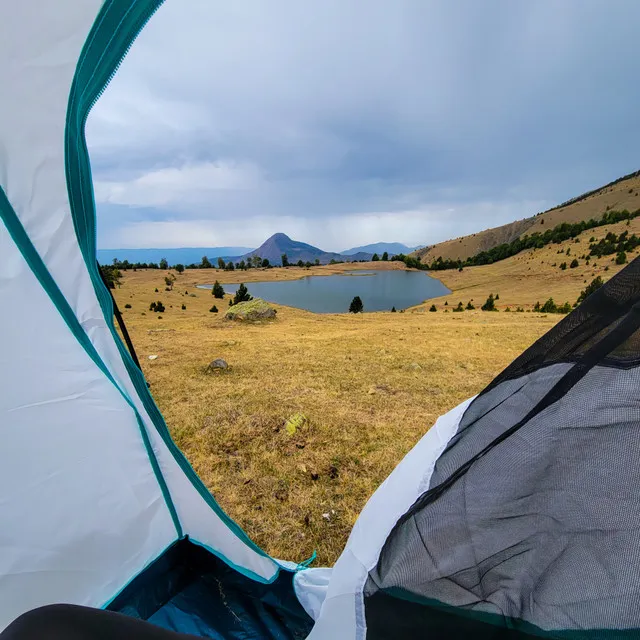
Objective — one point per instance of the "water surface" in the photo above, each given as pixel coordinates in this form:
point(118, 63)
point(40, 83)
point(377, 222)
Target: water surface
point(379, 290)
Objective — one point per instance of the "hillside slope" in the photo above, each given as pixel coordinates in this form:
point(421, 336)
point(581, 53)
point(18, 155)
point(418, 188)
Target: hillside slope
point(535, 275)
point(618, 195)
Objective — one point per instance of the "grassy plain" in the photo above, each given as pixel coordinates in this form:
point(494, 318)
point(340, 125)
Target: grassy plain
point(369, 386)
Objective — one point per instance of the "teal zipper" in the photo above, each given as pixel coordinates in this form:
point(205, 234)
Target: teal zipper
point(112, 35)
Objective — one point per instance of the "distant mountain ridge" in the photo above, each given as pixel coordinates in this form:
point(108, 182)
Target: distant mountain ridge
point(279, 243)
point(185, 255)
point(392, 248)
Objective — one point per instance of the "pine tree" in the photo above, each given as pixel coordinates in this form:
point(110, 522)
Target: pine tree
point(489, 305)
point(242, 294)
point(433, 308)
point(470, 307)
point(356, 305)
point(213, 309)
point(393, 310)
point(385, 256)
point(221, 264)
point(204, 263)
point(285, 260)
point(375, 258)
point(217, 291)
point(164, 264)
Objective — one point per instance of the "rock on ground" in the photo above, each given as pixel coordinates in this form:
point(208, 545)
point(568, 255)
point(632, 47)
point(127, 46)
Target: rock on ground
point(217, 365)
point(256, 309)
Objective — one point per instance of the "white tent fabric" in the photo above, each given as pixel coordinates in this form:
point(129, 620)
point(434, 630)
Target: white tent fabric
point(92, 490)
point(81, 507)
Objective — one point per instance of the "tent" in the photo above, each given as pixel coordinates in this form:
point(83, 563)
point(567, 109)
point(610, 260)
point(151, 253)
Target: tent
point(516, 515)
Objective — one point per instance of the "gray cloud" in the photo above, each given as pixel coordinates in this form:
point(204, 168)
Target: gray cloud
point(349, 122)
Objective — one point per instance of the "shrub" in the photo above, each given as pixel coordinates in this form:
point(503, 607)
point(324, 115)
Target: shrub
point(242, 294)
point(563, 265)
point(469, 306)
point(159, 307)
point(356, 305)
point(179, 268)
point(565, 308)
point(519, 310)
point(152, 306)
point(489, 305)
point(213, 309)
point(594, 285)
point(184, 306)
point(549, 306)
point(536, 306)
point(459, 308)
point(127, 306)
point(497, 296)
point(507, 310)
point(217, 291)
point(446, 303)
point(156, 290)
point(433, 308)
point(574, 264)
point(393, 310)
point(621, 258)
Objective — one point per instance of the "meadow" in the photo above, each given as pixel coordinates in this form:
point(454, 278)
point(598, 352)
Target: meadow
point(315, 411)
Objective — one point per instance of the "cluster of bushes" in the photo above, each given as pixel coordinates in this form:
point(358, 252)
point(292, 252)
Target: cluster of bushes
point(612, 243)
point(410, 261)
point(537, 240)
point(158, 307)
point(551, 307)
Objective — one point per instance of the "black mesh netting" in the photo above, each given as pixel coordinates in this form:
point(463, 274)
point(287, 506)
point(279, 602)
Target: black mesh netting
point(531, 524)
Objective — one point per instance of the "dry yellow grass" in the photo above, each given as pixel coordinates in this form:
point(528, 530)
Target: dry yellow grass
point(369, 386)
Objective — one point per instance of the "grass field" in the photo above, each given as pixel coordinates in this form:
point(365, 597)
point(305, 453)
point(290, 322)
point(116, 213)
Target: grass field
point(364, 388)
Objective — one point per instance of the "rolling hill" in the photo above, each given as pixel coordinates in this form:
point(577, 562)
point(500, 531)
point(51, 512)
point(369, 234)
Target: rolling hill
point(185, 255)
point(280, 243)
point(617, 195)
point(380, 247)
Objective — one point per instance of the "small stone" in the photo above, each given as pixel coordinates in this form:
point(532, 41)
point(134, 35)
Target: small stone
point(152, 357)
point(217, 365)
point(326, 516)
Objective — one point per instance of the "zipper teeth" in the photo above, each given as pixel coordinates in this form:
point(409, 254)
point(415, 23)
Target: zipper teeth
point(142, 23)
point(138, 30)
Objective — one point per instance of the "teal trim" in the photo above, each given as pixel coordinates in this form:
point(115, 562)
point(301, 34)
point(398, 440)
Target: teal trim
point(37, 266)
point(245, 572)
point(112, 35)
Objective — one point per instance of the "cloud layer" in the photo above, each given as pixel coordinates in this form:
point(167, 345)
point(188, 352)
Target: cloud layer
point(344, 122)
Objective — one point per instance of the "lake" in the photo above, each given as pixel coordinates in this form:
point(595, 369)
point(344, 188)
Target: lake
point(379, 290)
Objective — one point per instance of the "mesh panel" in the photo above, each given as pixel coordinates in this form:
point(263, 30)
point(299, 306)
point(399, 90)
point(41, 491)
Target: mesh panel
point(532, 518)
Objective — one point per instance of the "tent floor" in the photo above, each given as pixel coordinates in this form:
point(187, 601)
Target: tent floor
point(190, 590)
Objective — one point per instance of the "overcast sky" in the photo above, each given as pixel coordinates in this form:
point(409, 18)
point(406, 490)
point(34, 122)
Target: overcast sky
point(344, 122)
